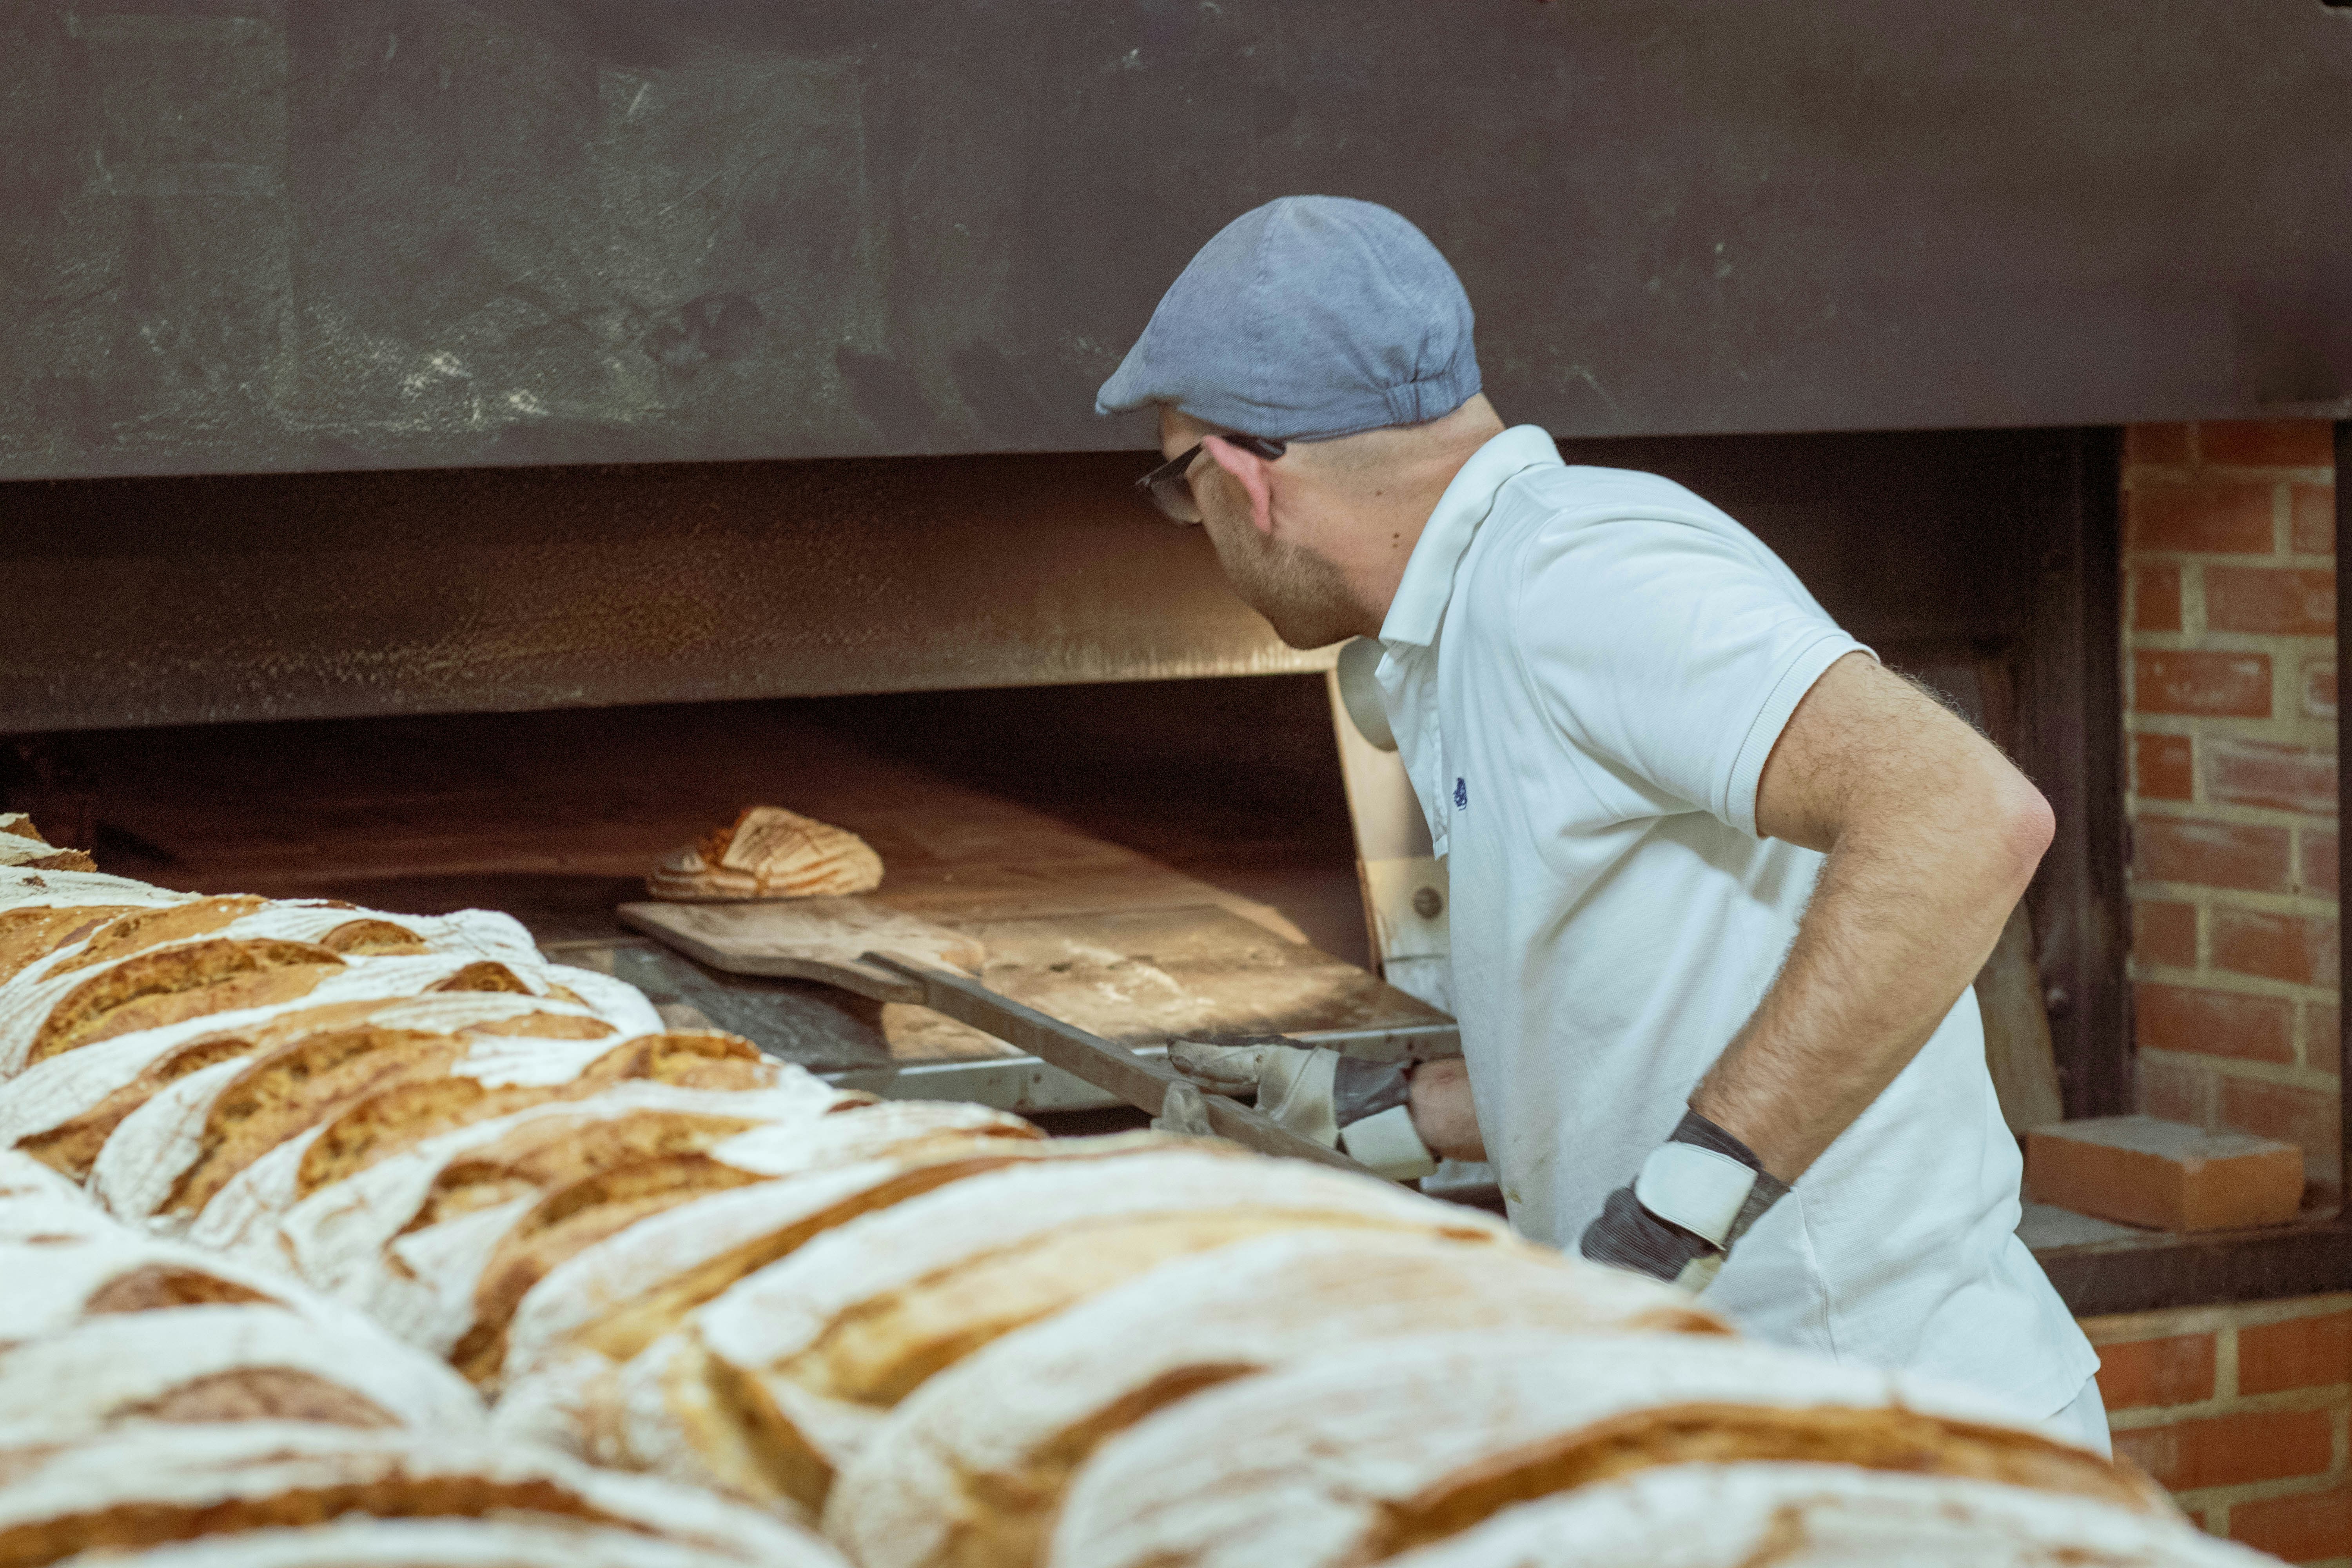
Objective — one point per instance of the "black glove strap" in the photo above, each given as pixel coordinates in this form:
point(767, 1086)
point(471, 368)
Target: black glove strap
point(1361, 1088)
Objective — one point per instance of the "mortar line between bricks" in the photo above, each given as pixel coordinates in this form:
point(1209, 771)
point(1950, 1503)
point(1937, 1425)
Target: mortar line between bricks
point(2285, 1402)
point(2232, 983)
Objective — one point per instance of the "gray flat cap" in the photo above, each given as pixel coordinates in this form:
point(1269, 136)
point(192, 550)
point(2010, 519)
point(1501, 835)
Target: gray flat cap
point(1309, 318)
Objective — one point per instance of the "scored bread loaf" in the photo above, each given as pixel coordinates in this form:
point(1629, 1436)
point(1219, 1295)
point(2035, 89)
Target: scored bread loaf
point(768, 852)
point(145, 1485)
point(407, 1237)
point(651, 1261)
point(1822, 1516)
point(42, 1016)
point(616, 1297)
point(340, 927)
point(967, 1471)
point(218, 1364)
point(21, 843)
point(805, 1355)
point(362, 1543)
point(1365, 1453)
point(63, 1111)
point(413, 1108)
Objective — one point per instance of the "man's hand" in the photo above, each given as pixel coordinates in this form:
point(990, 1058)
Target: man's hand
point(1361, 1107)
point(1932, 835)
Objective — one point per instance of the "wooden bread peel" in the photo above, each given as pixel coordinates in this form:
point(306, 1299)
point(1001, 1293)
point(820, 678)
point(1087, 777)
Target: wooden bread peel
point(888, 956)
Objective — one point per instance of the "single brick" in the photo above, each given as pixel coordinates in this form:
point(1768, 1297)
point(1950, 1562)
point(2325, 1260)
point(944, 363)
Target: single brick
point(2317, 868)
point(2161, 766)
point(2156, 443)
point(2258, 773)
point(2293, 948)
point(2174, 1087)
point(2309, 1527)
point(2319, 688)
point(2216, 684)
point(2323, 1031)
point(2295, 603)
point(2216, 518)
point(2312, 511)
point(2230, 1450)
point(2212, 853)
point(2303, 1117)
point(2268, 443)
point(2164, 1174)
point(2164, 932)
point(2213, 1022)
point(2141, 1373)
point(2155, 599)
point(2302, 1353)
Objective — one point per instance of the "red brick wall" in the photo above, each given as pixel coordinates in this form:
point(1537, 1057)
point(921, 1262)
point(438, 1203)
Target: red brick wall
point(2230, 700)
point(2242, 1412)
point(2230, 720)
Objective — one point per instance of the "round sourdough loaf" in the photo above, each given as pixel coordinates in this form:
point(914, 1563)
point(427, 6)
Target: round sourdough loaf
point(362, 1543)
point(968, 1469)
point(58, 1276)
point(213, 1363)
point(499, 1076)
point(63, 1110)
point(407, 1238)
point(43, 1015)
point(1822, 1516)
point(561, 1280)
point(144, 1486)
point(1361, 1454)
point(811, 1351)
point(769, 852)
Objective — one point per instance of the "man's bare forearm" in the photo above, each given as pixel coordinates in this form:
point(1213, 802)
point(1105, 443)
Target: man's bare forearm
point(1921, 875)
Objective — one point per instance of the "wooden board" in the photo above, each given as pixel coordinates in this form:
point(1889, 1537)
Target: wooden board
point(805, 938)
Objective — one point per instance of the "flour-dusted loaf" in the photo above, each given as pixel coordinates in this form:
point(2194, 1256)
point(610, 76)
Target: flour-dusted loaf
point(1361, 1454)
point(967, 1471)
point(769, 852)
point(44, 1015)
point(407, 1238)
point(21, 843)
point(63, 1111)
point(25, 1182)
point(616, 1297)
point(359, 1542)
point(223, 1364)
point(1822, 1516)
point(806, 1354)
point(145, 1485)
point(499, 1076)
point(643, 1252)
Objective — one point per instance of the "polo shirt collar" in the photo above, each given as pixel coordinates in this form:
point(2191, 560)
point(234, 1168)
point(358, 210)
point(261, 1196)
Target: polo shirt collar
point(1427, 586)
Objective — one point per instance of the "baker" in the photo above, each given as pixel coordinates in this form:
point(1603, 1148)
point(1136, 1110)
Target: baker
point(1719, 881)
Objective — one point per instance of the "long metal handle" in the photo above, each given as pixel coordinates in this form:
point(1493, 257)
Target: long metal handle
point(1114, 1069)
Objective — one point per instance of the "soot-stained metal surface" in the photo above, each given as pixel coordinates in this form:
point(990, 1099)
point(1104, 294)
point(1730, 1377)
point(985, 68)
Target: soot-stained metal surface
point(253, 235)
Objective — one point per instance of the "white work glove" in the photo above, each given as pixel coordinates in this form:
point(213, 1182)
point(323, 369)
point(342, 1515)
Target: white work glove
point(1697, 1195)
point(1357, 1107)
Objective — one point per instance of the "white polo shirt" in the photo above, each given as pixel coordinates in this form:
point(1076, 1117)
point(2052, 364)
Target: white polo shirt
point(1586, 669)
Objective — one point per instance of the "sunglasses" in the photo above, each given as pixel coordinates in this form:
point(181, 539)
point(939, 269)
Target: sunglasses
point(1169, 486)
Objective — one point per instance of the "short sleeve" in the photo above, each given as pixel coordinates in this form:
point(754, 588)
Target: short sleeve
point(1676, 650)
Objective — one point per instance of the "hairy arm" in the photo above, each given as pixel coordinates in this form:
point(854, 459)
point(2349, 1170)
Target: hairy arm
point(1931, 837)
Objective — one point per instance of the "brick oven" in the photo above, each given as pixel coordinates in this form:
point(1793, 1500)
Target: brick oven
point(451, 453)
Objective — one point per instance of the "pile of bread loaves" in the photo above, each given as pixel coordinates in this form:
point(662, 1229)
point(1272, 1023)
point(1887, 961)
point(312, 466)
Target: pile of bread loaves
point(334, 1237)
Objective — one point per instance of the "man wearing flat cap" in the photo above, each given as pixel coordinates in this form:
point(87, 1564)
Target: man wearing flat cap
point(1719, 882)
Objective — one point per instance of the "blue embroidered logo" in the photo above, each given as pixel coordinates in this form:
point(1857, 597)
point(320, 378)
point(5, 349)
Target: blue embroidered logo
point(1461, 795)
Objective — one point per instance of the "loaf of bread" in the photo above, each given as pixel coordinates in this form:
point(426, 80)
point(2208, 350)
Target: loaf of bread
point(499, 1076)
point(21, 843)
point(768, 852)
point(144, 1485)
point(408, 1238)
point(1370, 1451)
point(1822, 1516)
point(800, 1360)
point(359, 1541)
point(968, 1469)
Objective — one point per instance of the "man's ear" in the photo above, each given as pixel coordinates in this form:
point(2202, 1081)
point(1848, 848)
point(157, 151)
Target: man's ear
point(1250, 469)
